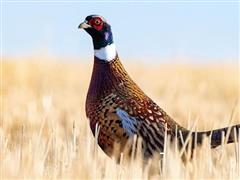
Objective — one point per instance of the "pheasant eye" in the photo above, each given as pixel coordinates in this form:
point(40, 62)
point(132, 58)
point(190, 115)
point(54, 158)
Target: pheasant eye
point(97, 22)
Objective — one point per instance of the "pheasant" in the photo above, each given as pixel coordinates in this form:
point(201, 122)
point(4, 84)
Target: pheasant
point(121, 110)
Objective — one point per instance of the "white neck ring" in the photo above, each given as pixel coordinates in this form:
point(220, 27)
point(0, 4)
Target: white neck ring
point(106, 53)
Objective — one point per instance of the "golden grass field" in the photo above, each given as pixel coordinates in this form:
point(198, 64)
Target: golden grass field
point(44, 133)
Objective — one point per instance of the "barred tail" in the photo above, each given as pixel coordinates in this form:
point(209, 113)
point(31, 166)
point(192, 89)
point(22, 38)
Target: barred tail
point(226, 135)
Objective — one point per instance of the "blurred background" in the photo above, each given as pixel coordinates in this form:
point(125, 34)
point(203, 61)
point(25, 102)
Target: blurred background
point(190, 31)
point(183, 54)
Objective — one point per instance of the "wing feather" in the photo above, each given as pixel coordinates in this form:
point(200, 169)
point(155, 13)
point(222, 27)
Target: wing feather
point(129, 123)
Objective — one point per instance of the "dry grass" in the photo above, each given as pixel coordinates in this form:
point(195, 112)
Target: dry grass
point(45, 134)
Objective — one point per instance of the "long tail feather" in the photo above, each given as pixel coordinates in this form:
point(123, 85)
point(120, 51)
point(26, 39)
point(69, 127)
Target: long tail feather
point(218, 136)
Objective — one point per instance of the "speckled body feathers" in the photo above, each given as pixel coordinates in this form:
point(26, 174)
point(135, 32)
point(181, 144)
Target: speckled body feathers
point(112, 89)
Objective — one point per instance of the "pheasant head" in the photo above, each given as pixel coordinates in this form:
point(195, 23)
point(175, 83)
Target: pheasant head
point(100, 31)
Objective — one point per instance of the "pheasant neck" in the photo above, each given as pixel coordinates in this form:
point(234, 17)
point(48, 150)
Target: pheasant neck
point(106, 77)
point(107, 53)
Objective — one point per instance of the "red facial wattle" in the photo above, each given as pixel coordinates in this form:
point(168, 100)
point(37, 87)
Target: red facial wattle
point(96, 23)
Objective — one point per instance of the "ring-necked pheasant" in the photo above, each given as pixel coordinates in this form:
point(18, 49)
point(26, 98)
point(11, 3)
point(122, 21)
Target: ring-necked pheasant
point(121, 109)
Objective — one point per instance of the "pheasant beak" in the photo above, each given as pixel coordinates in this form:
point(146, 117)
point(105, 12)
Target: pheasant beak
point(84, 25)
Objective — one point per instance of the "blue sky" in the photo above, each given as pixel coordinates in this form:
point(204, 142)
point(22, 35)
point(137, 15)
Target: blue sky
point(198, 31)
